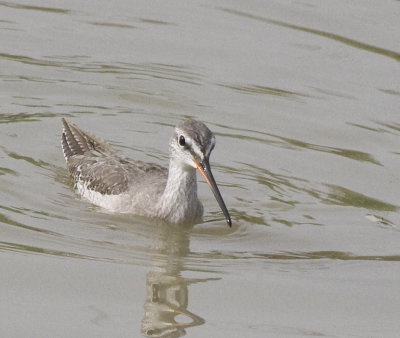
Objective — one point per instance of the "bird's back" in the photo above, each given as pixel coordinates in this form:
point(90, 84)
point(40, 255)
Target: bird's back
point(108, 179)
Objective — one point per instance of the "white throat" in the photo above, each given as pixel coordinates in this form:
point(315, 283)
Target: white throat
point(179, 201)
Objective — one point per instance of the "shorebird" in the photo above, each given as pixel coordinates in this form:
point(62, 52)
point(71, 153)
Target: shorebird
point(120, 184)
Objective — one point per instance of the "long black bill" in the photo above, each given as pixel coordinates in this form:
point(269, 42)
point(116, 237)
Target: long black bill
point(205, 171)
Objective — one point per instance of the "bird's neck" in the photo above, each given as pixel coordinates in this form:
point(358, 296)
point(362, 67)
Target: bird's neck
point(179, 202)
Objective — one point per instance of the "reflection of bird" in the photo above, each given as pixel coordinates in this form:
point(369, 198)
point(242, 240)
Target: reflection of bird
point(166, 298)
point(167, 310)
point(124, 185)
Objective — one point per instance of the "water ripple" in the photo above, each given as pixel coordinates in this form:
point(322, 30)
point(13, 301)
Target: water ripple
point(35, 8)
point(291, 143)
point(339, 38)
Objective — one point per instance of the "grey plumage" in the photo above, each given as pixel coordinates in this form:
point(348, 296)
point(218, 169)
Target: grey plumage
point(94, 161)
point(121, 184)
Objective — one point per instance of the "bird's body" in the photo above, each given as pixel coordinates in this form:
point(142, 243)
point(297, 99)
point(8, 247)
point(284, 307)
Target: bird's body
point(124, 185)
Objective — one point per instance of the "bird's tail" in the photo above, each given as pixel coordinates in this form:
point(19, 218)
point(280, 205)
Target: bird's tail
point(74, 141)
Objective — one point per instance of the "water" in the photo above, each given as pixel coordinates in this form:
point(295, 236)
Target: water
point(303, 97)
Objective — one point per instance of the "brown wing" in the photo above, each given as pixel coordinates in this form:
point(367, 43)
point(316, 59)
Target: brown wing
point(95, 163)
point(77, 142)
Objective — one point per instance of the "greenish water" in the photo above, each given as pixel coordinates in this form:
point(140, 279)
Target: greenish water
point(303, 98)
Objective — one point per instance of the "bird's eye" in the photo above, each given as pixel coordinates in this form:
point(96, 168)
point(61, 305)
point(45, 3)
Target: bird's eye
point(182, 140)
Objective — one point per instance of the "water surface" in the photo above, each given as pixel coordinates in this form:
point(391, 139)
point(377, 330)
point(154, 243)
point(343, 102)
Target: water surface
point(303, 97)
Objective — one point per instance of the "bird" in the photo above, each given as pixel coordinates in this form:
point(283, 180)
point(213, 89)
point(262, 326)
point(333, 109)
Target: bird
point(124, 185)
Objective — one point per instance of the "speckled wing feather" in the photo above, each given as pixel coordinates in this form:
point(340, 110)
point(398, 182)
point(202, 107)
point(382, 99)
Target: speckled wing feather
point(96, 164)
